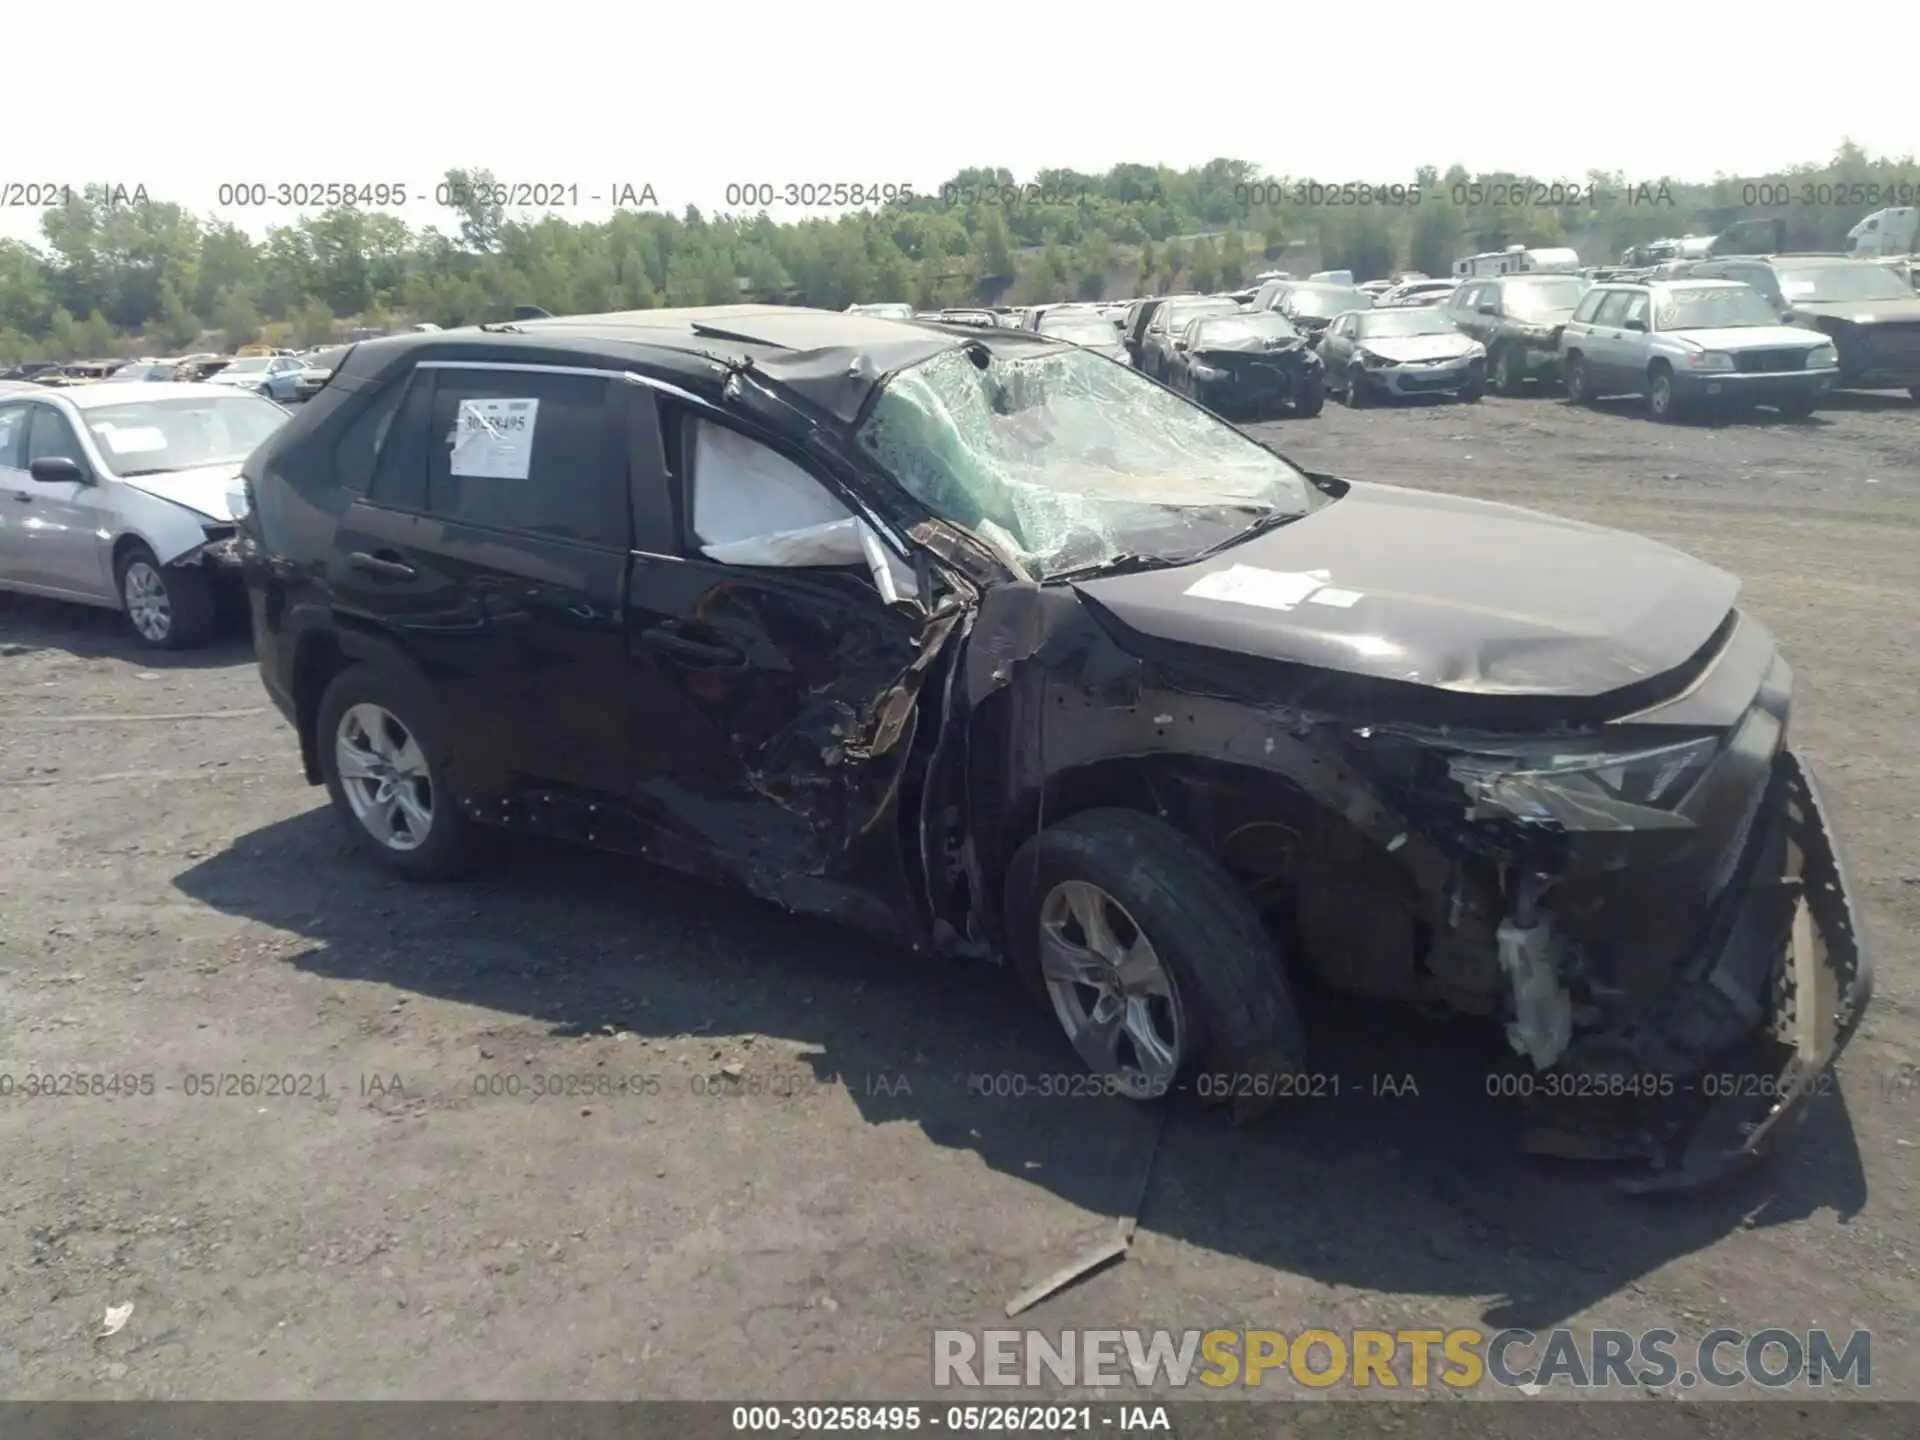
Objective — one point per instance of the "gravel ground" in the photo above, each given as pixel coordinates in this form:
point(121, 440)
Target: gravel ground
point(767, 1171)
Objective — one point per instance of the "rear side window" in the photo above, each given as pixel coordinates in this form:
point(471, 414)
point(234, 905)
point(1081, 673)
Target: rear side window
point(355, 452)
point(1613, 308)
point(400, 473)
point(13, 437)
point(528, 451)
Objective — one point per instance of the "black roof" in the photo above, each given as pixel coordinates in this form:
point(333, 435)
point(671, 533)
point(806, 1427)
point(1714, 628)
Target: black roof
point(833, 358)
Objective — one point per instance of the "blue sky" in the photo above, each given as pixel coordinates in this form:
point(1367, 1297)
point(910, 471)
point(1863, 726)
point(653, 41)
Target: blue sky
point(690, 98)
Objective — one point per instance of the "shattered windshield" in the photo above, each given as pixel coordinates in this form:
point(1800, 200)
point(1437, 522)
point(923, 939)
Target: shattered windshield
point(1065, 460)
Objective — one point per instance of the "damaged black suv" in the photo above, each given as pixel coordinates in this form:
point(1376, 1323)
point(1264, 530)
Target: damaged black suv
point(990, 645)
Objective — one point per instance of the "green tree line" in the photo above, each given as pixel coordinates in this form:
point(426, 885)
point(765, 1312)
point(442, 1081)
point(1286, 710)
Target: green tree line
point(118, 278)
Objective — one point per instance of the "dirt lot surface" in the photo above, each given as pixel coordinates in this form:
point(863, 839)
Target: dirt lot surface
point(770, 1169)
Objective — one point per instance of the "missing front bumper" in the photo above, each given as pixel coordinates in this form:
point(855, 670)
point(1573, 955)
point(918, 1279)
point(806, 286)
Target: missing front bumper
point(1728, 1107)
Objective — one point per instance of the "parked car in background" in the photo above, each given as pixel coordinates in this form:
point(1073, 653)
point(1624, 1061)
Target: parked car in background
point(1246, 365)
point(1407, 350)
point(1865, 308)
point(1312, 307)
point(979, 319)
point(1271, 291)
point(1517, 318)
point(1332, 277)
point(1683, 344)
point(1375, 288)
point(884, 309)
point(1133, 326)
point(147, 370)
point(1088, 329)
point(30, 370)
point(1416, 292)
point(275, 376)
point(78, 372)
point(317, 371)
point(118, 496)
point(1003, 652)
point(202, 367)
point(1169, 322)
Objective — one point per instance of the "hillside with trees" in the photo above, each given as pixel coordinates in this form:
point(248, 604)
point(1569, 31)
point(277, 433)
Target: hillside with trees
point(117, 278)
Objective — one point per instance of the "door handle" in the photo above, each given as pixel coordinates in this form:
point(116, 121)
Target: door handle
point(380, 565)
point(23, 497)
point(696, 651)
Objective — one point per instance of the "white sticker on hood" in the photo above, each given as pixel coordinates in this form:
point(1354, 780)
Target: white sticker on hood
point(1250, 585)
point(134, 440)
point(1345, 599)
point(493, 439)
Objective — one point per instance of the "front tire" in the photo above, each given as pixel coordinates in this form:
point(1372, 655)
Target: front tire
point(1355, 395)
point(384, 759)
point(1800, 407)
point(168, 607)
point(1509, 375)
point(1151, 959)
point(1662, 404)
point(1311, 398)
point(1579, 382)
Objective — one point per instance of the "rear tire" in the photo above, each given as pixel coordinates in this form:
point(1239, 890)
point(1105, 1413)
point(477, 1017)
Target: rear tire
point(1509, 375)
point(1311, 398)
point(393, 799)
point(168, 607)
point(1227, 1007)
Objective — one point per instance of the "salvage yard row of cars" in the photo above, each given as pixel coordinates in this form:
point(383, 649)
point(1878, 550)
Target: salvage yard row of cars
point(1715, 334)
point(960, 633)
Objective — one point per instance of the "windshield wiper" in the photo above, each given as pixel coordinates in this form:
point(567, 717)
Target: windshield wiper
point(1272, 520)
point(136, 474)
point(1129, 564)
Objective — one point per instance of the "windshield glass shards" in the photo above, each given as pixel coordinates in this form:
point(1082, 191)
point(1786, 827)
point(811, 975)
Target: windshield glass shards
point(1065, 461)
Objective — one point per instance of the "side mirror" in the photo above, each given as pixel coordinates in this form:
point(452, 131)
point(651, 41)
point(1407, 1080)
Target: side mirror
point(58, 470)
point(1179, 344)
point(1639, 325)
point(1489, 309)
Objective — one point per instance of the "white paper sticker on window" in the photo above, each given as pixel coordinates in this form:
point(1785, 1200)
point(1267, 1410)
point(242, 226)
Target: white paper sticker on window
point(1251, 585)
point(493, 439)
point(134, 440)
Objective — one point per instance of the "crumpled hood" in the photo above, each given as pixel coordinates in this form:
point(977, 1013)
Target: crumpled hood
point(203, 488)
point(1436, 590)
point(1406, 349)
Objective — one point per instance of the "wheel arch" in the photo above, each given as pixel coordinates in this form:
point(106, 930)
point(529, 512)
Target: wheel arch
point(322, 652)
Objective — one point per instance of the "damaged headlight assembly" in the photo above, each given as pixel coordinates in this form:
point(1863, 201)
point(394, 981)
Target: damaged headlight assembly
point(1546, 783)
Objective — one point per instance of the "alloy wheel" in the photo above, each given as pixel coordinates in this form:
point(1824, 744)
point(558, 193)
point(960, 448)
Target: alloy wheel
point(385, 776)
point(149, 608)
point(1113, 995)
